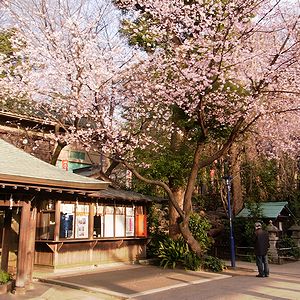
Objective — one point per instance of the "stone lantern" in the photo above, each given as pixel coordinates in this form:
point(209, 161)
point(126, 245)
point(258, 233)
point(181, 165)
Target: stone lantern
point(273, 238)
point(295, 234)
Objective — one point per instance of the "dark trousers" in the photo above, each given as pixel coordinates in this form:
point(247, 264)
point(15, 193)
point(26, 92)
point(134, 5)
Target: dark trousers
point(262, 265)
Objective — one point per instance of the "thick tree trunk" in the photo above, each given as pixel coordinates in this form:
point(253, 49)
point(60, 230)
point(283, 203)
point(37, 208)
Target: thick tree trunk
point(237, 194)
point(187, 235)
point(60, 145)
point(174, 230)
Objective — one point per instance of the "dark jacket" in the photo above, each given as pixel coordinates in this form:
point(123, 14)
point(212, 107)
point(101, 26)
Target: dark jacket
point(261, 242)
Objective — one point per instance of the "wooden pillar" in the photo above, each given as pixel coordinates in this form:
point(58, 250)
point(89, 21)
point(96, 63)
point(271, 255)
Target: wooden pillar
point(57, 220)
point(21, 276)
point(91, 221)
point(91, 231)
point(6, 239)
point(31, 245)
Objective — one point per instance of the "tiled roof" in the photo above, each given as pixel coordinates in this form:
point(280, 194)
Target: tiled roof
point(19, 167)
point(111, 193)
point(268, 209)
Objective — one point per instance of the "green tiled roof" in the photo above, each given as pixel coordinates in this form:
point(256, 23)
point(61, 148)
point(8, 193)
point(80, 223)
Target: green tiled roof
point(19, 167)
point(268, 209)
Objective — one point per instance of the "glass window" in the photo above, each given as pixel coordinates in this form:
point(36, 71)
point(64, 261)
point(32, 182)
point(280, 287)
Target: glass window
point(67, 221)
point(45, 229)
point(129, 221)
point(98, 221)
point(109, 221)
point(77, 155)
point(120, 221)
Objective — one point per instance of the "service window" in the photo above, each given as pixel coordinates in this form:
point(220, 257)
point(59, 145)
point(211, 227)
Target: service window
point(120, 221)
point(129, 221)
point(109, 227)
point(67, 213)
point(98, 221)
point(45, 229)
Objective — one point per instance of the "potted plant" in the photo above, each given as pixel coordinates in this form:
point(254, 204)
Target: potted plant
point(5, 282)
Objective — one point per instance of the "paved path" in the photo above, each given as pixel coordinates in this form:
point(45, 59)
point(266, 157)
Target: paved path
point(151, 282)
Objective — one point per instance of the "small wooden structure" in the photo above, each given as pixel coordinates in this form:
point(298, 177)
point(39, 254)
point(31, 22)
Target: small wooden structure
point(60, 219)
point(277, 212)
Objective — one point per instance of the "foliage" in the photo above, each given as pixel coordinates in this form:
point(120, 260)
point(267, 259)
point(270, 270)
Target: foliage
point(10, 61)
point(213, 264)
point(168, 164)
point(244, 227)
point(192, 261)
point(260, 179)
point(199, 226)
point(294, 204)
point(5, 277)
point(172, 252)
point(288, 242)
point(157, 229)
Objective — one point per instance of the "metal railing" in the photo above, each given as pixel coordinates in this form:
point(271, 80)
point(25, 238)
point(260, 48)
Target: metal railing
point(247, 253)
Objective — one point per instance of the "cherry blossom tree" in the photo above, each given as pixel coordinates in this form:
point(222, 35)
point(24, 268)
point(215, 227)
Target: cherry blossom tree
point(71, 58)
point(216, 71)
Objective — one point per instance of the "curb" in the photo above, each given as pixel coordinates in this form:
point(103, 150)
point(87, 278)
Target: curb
point(104, 293)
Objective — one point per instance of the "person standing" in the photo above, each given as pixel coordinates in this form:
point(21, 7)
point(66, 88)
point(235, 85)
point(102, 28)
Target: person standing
point(261, 247)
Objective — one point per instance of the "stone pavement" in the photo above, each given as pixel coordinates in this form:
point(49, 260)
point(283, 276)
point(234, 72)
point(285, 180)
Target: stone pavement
point(126, 281)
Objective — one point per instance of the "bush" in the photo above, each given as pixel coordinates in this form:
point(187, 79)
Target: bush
point(176, 252)
point(213, 264)
point(199, 226)
point(192, 261)
point(4, 277)
point(288, 242)
point(171, 252)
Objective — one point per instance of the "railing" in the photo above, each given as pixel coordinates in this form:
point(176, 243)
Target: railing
point(288, 253)
point(247, 253)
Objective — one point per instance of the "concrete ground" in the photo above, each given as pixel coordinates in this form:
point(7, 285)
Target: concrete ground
point(125, 281)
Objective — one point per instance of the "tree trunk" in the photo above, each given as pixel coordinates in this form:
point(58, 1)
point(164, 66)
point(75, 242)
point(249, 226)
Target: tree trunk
point(60, 145)
point(187, 235)
point(237, 194)
point(174, 230)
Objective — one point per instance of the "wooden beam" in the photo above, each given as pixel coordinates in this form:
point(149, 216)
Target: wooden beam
point(31, 245)
point(21, 276)
point(91, 221)
point(57, 220)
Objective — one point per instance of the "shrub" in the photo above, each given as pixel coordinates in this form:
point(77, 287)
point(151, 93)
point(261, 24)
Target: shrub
point(288, 242)
point(213, 264)
point(199, 226)
point(192, 261)
point(4, 277)
point(171, 252)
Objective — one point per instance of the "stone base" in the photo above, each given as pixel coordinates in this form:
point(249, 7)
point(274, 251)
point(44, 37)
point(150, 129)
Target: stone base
point(5, 287)
point(19, 290)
